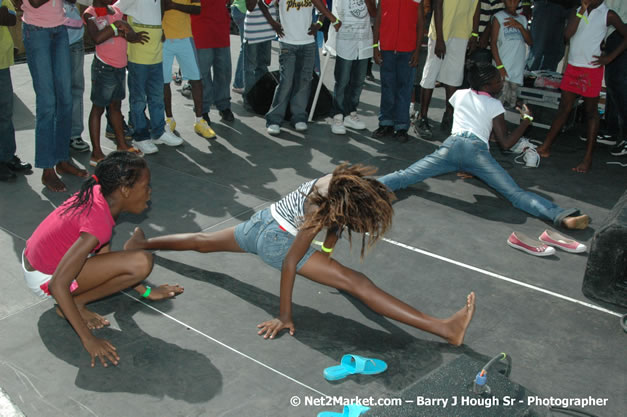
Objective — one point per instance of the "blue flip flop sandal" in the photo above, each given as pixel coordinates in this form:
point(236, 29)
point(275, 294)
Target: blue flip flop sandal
point(353, 410)
point(354, 364)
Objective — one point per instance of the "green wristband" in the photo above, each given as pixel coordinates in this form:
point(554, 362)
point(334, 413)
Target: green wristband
point(474, 34)
point(500, 66)
point(325, 249)
point(147, 293)
point(526, 116)
point(115, 29)
point(579, 15)
point(319, 23)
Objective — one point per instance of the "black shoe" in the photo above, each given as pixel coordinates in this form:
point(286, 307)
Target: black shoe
point(423, 129)
point(370, 77)
point(447, 123)
point(206, 117)
point(227, 115)
point(15, 164)
point(620, 150)
point(383, 132)
point(5, 173)
point(79, 145)
point(401, 135)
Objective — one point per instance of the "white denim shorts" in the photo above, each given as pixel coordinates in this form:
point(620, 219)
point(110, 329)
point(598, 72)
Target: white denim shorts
point(38, 281)
point(449, 70)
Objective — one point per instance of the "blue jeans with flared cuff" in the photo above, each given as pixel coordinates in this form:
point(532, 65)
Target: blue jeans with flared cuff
point(77, 56)
point(48, 58)
point(7, 131)
point(296, 72)
point(145, 87)
point(257, 58)
point(238, 18)
point(215, 73)
point(349, 81)
point(397, 79)
point(468, 153)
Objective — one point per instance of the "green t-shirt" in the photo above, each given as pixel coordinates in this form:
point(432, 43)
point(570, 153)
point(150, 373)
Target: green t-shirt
point(6, 41)
point(241, 5)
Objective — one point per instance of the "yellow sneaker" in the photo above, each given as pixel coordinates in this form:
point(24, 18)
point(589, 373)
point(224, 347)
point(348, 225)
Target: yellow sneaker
point(170, 123)
point(203, 129)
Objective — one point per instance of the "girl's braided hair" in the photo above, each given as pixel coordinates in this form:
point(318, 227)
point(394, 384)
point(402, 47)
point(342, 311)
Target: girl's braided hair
point(361, 204)
point(480, 74)
point(118, 169)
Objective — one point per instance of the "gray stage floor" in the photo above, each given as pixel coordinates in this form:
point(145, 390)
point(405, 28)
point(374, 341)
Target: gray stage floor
point(199, 354)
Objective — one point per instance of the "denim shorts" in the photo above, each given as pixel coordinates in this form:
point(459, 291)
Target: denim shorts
point(262, 235)
point(107, 83)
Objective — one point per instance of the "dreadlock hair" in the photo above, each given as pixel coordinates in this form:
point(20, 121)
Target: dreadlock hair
point(481, 73)
point(118, 169)
point(362, 205)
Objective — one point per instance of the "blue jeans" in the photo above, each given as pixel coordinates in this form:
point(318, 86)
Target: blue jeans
point(145, 86)
point(7, 131)
point(296, 69)
point(547, 32)
point(77, 56)
point(238, 18)
point(215, 88)
point(48, 58)
point(349, 80)
point(256, 63)
point(616, 83)
point(397, 79)
point(470, 154)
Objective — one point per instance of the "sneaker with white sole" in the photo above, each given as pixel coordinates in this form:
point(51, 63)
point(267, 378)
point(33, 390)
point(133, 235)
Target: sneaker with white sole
point(620, 149)
point(562, 242)
point(529, 245)
point(300, 126)
point(273, 129)
point(337, 125)
point(602, 138)
point(170, 123)
point(145, 146)
point(203, 129)
point(169, 139)
point(353, 121)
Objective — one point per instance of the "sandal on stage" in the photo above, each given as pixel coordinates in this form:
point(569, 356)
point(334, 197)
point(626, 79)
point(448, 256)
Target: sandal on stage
point(354, 364)
point(353, 410)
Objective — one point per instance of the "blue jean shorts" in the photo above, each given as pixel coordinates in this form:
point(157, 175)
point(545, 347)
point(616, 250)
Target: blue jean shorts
point(107, 83)
point(262, 235)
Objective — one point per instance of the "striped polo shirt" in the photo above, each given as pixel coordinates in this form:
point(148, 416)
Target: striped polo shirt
point(256, 27)
point(289, 212)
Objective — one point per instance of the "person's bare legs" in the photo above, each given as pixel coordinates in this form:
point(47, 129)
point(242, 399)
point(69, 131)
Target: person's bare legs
point(221, 241)
point(197, 96)
point(117, 122)
point(95, 115)
point(106, 274)
point(592, 128)
point(425, 101)
point(167, 100)
point(449, 90)
point(576, 222)
point(324, 270)
point(566, 104)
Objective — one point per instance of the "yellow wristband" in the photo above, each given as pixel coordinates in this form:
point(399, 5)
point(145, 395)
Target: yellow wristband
point(325, 249)
point(579, 15)
point(500, 66)
point(526, 3)
point(319, 23)
point(115, 29)
point(376, 45)
point(337, 20)
point(526, 116)
point(474, 34)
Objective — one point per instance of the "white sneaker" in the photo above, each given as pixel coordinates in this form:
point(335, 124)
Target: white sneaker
point(300, 126)
point(168, 138)
point(354, 122)
point(273, 130)
point(146, 146)
point(170, 123)
point(338, 125)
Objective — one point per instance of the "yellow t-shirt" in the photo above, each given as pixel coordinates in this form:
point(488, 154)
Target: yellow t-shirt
point(149, 53)
point(456, 19)
point(6, 41)
point(176, 24)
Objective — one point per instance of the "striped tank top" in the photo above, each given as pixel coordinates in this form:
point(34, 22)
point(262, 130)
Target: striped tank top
point(289, 212)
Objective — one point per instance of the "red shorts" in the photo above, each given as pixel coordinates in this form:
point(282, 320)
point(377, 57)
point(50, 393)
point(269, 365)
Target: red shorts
point(583, 81)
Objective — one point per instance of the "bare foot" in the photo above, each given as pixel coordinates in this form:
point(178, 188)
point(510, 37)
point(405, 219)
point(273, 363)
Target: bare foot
point(136, 241)
point(543, 152)
point(66, 167)
point(583, 167)
point(576, 222)
point(165, 291)
point(459, 321)
point(92, 320)
point(464, 175)
point(51, 181)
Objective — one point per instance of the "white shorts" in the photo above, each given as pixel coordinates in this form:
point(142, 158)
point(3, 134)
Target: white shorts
point(450, 70)
point(38, 281)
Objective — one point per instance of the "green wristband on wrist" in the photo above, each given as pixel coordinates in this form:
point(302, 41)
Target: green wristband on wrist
point(337, 20)
point(474, 34)
point(147, 293)
point(579, 15)
point(325, 249)
point(500, 66)
point(319, 23)
point(115, 29)
point(527, 117)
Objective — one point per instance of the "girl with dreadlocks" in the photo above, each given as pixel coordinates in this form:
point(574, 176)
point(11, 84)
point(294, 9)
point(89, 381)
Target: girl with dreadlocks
point(282, 235)
point(477, 114)
point(57, 261)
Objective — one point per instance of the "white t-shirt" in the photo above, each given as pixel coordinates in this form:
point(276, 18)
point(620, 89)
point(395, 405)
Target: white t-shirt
point(586, 42)
point(512, 47)
point(474, 112)
point(296, 18)
point(354, 39)
point(147, 12)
